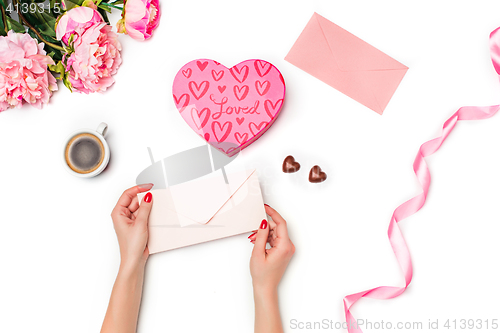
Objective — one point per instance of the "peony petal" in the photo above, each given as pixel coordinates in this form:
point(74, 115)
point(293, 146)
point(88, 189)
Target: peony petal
point(61, 26)
point(135, 10)
point(81, 14)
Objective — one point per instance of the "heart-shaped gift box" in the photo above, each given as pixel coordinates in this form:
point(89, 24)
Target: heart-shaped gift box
point(229, 107)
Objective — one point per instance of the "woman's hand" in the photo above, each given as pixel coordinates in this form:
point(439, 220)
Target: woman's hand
point(267, 266)
point(131, 225)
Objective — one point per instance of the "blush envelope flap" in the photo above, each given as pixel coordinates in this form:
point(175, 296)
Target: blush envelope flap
point(352, 53)
point(197, 202)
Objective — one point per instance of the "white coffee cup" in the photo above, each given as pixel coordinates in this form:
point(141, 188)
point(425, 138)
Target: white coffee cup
point(100, 132)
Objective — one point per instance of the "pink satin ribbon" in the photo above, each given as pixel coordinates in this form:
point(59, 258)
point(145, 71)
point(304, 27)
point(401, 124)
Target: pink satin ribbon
point(413, 205)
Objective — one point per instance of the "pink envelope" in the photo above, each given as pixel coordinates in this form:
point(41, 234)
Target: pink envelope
point(203, 210)
point(347, 63)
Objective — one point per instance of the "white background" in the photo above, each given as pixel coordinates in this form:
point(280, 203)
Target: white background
point(58, 250)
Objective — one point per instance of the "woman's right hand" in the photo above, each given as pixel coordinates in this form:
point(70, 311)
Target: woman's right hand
point(267, 266)
point(130, 219)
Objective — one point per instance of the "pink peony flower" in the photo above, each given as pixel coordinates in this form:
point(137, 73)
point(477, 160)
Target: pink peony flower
point(76, 21)
point(96, 50)
point(23, 72)
point(139, 18)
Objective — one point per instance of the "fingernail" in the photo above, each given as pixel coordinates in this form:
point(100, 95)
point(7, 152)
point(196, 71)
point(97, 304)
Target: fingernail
point(263, 225)
point(267, 205)
point(252, 235)
point(147, 186)
point(148, 197)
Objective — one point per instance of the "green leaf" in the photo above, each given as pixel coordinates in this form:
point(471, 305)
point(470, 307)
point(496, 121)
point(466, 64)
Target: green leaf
point(68, 84)
point(14, 25)
point(3, 18)
point(63, 74)
point(43, 22)
point(32, 34)
point(103, 7)
point(55, 54)
point(72, 3)
point(107, 6)
point(59, 68)
point(104, 14)
point(56, 8)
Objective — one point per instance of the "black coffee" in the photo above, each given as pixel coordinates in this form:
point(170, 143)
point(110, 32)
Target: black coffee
point(84, 153)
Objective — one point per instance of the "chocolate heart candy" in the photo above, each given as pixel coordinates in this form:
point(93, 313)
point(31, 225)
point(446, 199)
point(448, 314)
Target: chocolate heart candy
point(316, 175)
point(289, 165)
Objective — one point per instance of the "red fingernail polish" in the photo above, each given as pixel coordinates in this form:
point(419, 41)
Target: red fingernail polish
point(148, 197)
point(252, 235)
point(263, 225)
point(267, 205)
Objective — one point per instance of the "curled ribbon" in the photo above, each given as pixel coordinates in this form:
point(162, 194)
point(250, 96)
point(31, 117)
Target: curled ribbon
point(413, 205)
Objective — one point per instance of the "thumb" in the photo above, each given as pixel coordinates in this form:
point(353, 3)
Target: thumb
point(145, 209)
point(261, 239)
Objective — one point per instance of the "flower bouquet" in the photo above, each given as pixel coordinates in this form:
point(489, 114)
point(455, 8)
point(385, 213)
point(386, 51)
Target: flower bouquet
point(42, 41)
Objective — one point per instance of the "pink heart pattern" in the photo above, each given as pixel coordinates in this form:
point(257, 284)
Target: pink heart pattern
point(229, 119)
